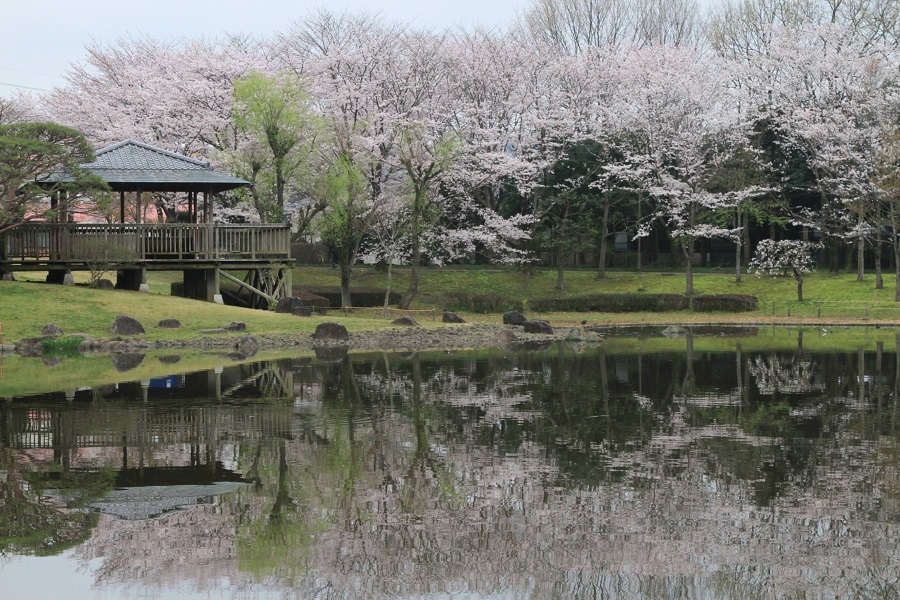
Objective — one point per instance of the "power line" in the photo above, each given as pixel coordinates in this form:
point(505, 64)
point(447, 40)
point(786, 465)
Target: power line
point(24, 87)
point(24, 71)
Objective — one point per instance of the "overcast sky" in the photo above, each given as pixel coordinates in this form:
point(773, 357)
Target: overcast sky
point(40, 39)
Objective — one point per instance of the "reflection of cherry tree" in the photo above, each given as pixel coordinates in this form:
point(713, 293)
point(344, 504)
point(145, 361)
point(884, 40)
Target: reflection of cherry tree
point(415, 476)
point(779, 374)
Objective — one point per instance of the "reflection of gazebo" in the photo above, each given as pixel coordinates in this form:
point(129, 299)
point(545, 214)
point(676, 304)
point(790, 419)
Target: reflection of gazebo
point(203, 250)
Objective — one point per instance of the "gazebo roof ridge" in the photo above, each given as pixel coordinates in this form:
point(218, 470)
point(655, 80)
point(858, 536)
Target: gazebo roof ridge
point(132, 154)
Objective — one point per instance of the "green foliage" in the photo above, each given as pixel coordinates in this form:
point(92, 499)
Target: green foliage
point(343, 190)
point(725, 303)
point(38, 160)
point(278, 131)
point(615, 303)
point(480, 303)
point(64, 346)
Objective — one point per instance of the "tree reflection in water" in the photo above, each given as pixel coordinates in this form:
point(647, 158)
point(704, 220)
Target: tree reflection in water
point(732, 474)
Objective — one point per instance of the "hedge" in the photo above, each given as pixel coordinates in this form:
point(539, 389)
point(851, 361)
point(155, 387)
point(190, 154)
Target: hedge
point(359, 296)
point(481, 303)
point(619, 303)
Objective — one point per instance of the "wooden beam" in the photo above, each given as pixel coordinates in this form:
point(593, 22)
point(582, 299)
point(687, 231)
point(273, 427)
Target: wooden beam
point(246, 285)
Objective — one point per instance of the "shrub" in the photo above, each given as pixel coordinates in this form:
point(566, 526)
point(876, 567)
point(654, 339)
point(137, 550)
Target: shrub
point(359, 297)
point(620, 303)
point(725, 303)
point(101, 256)
point(482, 303)
point(616, 303)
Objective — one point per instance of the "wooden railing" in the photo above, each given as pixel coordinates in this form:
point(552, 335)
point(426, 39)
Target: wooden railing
point(71, 243)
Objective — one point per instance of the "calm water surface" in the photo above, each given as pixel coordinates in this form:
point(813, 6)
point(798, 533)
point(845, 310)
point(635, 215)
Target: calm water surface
point(536, 473)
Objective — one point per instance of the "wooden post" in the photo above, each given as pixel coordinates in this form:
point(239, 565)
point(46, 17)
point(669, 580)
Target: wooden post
point(213, 291)
point(137, 208)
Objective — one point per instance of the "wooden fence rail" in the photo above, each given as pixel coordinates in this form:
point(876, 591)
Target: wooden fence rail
point(832, 308)
point(81, 243)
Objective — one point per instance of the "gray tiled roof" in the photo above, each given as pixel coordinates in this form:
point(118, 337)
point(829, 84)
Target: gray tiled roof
point(137, 156)
point(129, 164)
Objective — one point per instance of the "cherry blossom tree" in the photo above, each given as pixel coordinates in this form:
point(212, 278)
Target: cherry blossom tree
point(387, 241)
point(677, 113)
point(825, 92)
point(778, 257)
point(175, 94)
point(18, 109)
point(887, 180)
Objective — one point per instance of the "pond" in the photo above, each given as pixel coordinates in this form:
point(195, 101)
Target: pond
point(745, 464)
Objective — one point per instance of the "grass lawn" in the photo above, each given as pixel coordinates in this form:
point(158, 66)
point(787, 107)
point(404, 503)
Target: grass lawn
point(25, 306)
point(834, 296)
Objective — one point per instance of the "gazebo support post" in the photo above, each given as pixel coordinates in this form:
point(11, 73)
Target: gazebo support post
point(203, 284)
point(132, 279)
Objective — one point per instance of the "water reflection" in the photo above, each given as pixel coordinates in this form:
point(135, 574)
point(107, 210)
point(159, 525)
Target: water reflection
point(698, 473)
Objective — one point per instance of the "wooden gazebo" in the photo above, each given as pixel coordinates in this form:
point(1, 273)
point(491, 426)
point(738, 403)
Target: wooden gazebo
point(205, 251)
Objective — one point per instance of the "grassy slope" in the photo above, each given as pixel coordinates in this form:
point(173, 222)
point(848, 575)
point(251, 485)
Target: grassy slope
point(26, 307)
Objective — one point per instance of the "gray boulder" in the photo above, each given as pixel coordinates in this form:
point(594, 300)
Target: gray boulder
point(538, 326)
point(247, 345)
point(169, 324)
point(236, 326)
point(51, 330)
point(293, 306)
point(405, 322)
point(124, 325)
point(331, 331)
point(514, 317)
point(451, 317)
point(30, 347)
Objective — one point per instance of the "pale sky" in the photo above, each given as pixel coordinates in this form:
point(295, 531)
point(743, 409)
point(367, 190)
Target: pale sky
point(40, 39)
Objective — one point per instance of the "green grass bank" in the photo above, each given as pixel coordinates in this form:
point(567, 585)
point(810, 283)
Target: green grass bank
point(25, 306)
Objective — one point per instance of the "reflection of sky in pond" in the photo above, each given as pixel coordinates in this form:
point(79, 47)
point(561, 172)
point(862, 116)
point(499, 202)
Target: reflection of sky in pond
point(692, 474)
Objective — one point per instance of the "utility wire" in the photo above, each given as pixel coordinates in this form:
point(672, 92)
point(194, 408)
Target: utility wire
point(24, 71)
point(24, 87)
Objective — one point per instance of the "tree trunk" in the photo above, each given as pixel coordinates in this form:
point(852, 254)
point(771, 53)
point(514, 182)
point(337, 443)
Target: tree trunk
point(604, 239)
point(416, 240)
point(745, 234)
point(387, 291)
point(413, 288)
point(560, 271)
point(346, 270)
point(738, 245)
point(860, 251)
point(798, 276)
point(687, 247)
point(896, 267)
point(879, 275)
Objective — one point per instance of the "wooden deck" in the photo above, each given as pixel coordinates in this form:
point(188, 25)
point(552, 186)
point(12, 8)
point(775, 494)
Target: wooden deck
point(41, 246)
